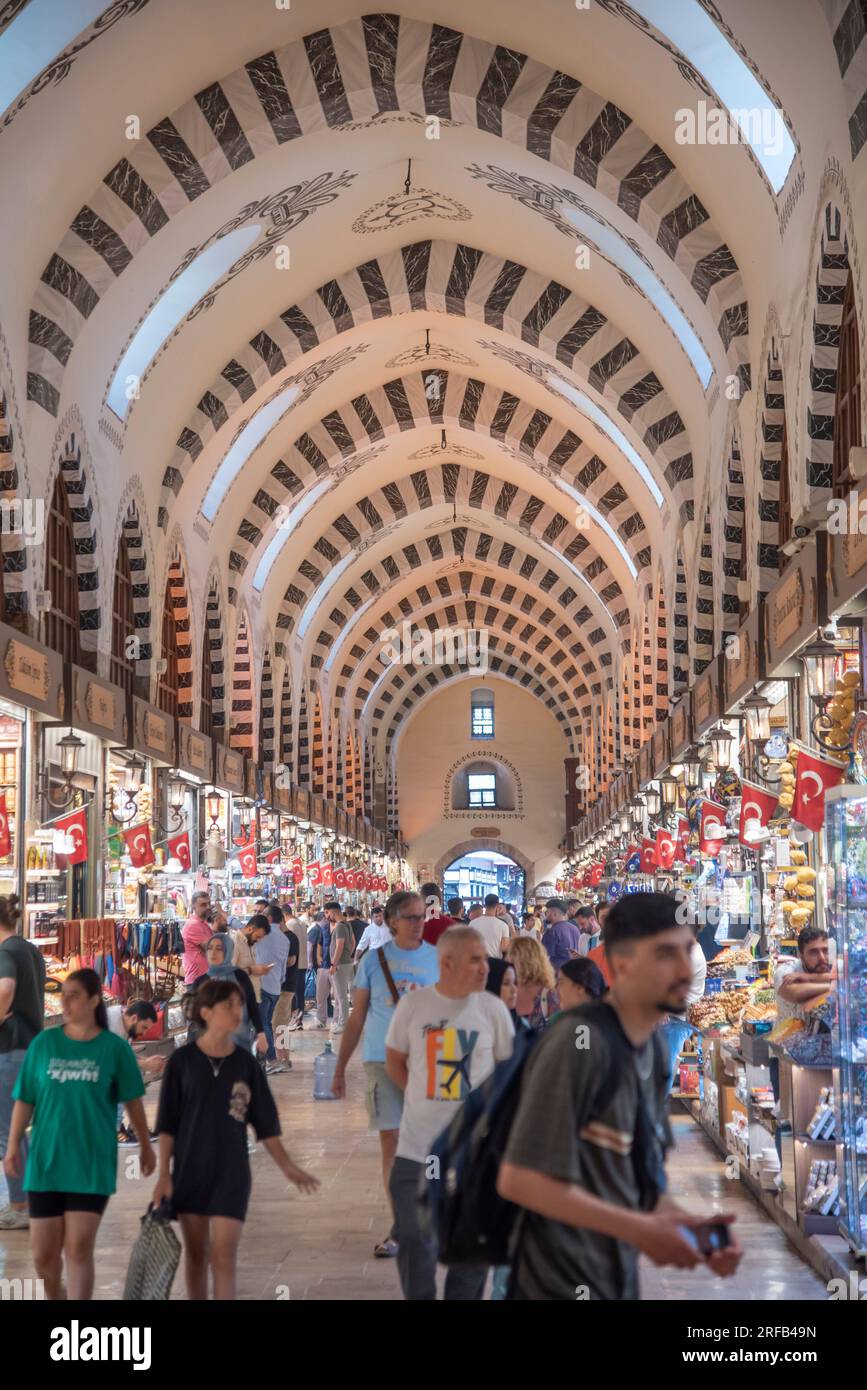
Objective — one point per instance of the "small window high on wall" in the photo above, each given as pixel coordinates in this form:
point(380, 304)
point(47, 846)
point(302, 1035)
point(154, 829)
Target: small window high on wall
point(482, 707)
point(482, 787)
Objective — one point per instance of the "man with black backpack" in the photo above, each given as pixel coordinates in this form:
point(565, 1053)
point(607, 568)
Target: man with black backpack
point(586, 1149)
point(385, 973)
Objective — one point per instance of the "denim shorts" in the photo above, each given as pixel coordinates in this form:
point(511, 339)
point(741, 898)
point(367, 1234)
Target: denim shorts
point(384, 1099)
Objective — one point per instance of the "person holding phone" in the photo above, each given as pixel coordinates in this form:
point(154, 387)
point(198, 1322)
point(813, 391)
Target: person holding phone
point(589, 1171)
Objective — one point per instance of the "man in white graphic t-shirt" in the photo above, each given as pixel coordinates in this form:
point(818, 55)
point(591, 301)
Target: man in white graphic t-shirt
point(442, 1042)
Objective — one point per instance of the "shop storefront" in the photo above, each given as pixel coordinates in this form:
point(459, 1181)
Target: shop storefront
point(31, 694)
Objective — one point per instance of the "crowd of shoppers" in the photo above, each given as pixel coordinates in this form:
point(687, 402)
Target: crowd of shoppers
point(433, 1000)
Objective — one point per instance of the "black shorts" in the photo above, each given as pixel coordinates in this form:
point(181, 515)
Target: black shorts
point(48, 1204)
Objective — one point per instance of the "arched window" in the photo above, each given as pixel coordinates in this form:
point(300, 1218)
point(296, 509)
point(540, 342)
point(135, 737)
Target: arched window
point(167, 696)
point(482, 713)
point(206, 709)
point(847, 406)
point(122, 621)
point(62, 627)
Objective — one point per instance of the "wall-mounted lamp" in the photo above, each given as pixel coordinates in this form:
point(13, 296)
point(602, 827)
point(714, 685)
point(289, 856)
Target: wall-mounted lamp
point(69, 748)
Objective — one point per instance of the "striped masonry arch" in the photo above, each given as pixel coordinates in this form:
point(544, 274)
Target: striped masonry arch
point(680, 630)
point(773, 430)
point(267, 721)
point(832, 273)
point(178, 596)
point(353, 72)
point(216, 640)
point(703, 630)
point(241, 733)
point(133, 535)
point(734, 548)
point(663, 667)
point(12, 539)
point(79, 495)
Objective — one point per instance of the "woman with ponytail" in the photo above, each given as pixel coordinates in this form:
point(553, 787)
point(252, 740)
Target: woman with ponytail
point(70, 1085)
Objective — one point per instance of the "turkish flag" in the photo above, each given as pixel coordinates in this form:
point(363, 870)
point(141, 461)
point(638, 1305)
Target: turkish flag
point(340, 878)
point(682, 837)
point(272, 857)
point(314, 872)
point(328, 875)
point(648, 856)
point(596, 871)
point(179, 848)
point(5, 837)
point(247, 860)
point(75, 826)
point(665, 848)
point(712, 828)
point(756, 805)
point(814, 777)
point(138, 843)
point(297, 871)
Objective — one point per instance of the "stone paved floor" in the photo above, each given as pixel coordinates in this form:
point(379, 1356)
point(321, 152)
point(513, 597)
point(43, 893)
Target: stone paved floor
point(322, 1247)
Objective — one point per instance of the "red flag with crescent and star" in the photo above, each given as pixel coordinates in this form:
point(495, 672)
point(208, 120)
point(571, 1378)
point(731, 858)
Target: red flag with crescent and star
point(648, 856)
point(75, 826)
point(179, 848)
point(682, 838)
point(815, 776)
point(297, 871)
point(712, 832)
point(139, 847)
point(665, 847)
point(756, 805)
point(247, 861)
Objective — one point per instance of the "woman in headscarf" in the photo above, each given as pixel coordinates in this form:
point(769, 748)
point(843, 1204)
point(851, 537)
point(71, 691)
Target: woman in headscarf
point(219, 951)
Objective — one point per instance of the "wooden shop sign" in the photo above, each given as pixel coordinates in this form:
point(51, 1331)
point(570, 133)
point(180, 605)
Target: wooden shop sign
point(793, 609)
point(229, 769)
point(96, 707)
point(743, 659)
point(645, 763)
point(680, 729)
point(847, 555)
point(705, 699)
point(195, 754)
point(30, 674)
point(660, 745)
point(153, 732)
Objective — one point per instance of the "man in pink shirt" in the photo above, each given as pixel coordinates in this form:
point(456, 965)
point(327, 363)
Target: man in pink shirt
point(196, 932)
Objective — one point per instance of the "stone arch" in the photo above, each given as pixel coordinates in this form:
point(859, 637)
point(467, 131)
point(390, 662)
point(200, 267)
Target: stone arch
point(265, 751)
point(703, 631)
point(304, 766)
point(734, 549)
point(17, 567)
point(773, 434)
point(242, 730)
point(178, 597)
point(75, 470)
point(286, 729)
point(215, 636)
point(833, 264)
point(497, 845)
point(133, 530)
point(662, 664)
point(680, 629)
point(300, 89)
point(483, 755)
point(317, 745)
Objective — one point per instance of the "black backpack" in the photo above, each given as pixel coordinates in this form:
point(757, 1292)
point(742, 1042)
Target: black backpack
point(472, 1223)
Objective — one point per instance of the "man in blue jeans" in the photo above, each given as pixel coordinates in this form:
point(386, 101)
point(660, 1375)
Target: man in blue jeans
point(271, 950)
point(22, 1007)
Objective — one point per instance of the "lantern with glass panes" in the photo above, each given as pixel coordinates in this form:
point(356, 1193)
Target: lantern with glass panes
point(128, 786)
point(830, 715)
point(756, 712)
point(68, 748)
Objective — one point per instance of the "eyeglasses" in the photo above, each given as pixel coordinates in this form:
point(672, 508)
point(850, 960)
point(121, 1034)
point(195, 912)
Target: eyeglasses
point(411, 917)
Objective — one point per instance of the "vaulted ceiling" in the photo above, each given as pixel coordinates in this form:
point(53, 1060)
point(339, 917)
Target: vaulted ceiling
point(425, 313)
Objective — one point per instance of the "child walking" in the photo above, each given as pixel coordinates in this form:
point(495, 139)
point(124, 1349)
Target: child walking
point(211, 1090)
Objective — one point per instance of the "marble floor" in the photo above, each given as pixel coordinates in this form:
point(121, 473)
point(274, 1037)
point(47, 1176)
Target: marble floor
point(321, 1247)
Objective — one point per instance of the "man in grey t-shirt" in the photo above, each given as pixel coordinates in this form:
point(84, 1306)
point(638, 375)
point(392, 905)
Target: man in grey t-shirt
point(587, 1151)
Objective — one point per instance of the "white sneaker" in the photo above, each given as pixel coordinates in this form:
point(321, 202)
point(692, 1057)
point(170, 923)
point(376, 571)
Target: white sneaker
point(12, 1220)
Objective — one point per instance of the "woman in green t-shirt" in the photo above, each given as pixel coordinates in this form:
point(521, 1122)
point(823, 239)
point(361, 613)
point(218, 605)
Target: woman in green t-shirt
point(71, 1083)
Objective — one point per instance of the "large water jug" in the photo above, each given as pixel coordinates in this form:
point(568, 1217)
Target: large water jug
point(324, 1067)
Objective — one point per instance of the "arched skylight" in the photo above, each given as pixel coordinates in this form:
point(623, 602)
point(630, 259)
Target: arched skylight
point(617, 249)
point(285, 530)
point(176, 301)
point(41, 31)
point(615, 434)
point(250, 438)
point(689, 26)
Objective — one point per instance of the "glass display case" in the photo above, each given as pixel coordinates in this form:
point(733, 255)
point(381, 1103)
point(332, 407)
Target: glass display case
point(846, 829)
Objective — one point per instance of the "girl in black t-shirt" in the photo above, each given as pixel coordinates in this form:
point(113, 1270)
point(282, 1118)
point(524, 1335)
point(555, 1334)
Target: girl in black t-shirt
point(211, 1091)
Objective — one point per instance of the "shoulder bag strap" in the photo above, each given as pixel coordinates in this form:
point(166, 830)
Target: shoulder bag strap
point(389, 978)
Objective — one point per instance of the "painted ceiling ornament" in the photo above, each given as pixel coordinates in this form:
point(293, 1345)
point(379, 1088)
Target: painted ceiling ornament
point(402, 208)
point(435, 451)
point(437, 351)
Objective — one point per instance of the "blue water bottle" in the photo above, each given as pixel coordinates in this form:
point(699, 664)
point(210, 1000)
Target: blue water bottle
point(324, 1067)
